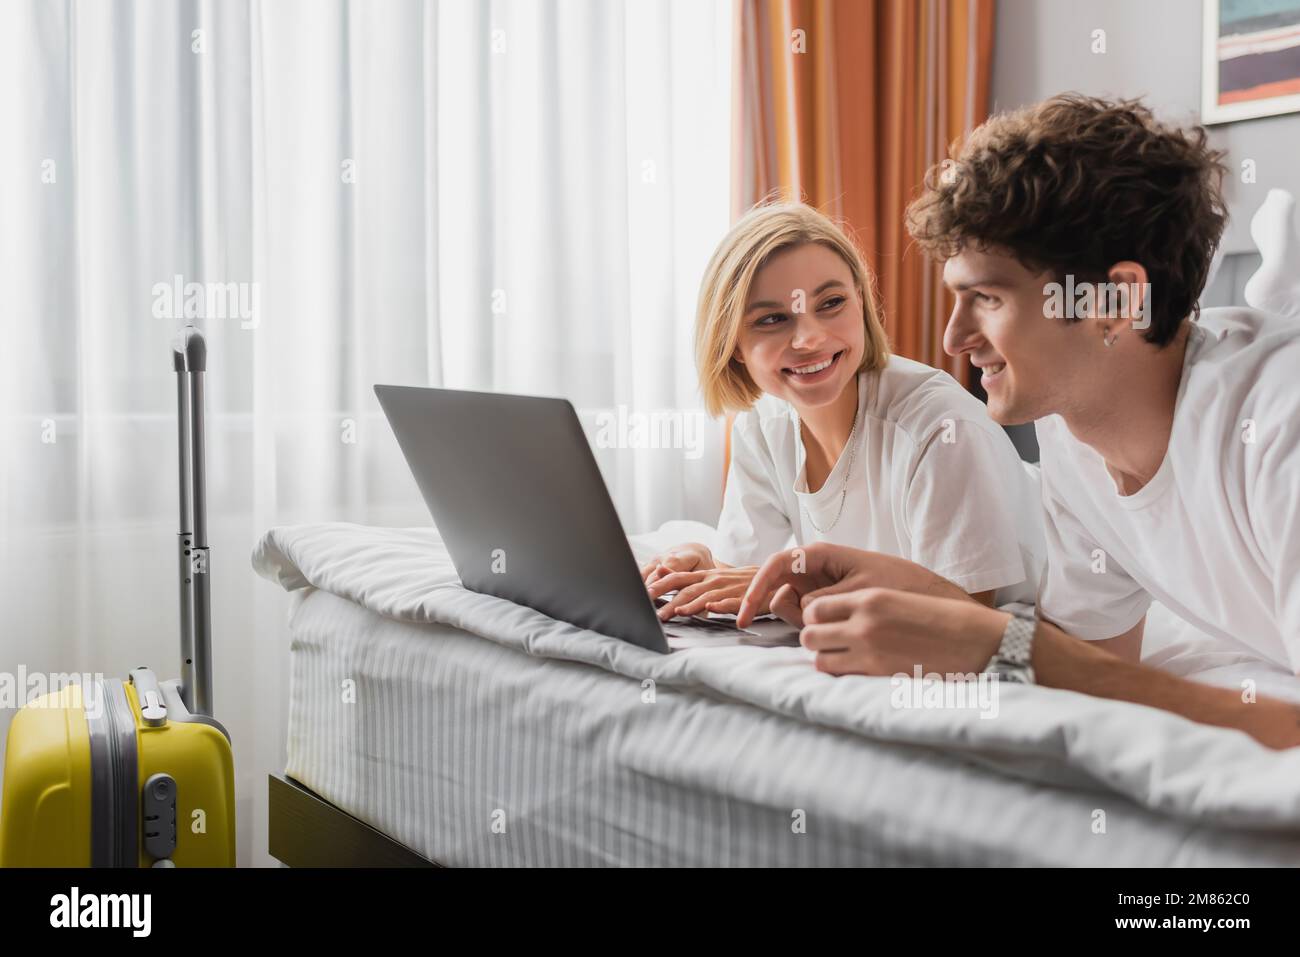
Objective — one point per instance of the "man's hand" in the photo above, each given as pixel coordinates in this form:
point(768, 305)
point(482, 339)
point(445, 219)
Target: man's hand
point(788, 580)
point(712, 589)
point(691, 556)
point(879, 631)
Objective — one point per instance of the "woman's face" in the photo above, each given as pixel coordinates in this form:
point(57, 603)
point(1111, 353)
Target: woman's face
point(801, 336)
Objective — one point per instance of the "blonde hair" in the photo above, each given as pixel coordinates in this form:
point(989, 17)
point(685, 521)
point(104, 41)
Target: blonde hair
point(765, 230)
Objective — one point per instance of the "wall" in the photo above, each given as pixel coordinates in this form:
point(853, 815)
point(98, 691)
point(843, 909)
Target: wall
point(1153, 49)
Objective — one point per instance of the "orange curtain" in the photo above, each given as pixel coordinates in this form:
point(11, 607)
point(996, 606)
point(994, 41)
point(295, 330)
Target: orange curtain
point(845, 104)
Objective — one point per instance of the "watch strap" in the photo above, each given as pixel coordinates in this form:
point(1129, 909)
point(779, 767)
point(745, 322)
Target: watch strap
point(1013, 659)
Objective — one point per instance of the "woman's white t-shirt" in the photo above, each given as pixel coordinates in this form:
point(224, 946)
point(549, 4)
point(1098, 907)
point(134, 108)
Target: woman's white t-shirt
point(933, 480)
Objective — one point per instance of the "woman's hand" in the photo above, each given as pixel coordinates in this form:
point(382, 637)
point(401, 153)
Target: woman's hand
point(689, 557)
point(704, 590)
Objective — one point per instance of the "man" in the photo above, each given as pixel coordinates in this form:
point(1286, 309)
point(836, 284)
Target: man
point(1077, 236)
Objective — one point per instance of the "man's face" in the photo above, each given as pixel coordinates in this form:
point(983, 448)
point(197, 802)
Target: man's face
point(801, 337)
point(1031, 365)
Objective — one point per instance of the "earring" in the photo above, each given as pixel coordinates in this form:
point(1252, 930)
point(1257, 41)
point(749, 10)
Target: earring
point(1107, 338)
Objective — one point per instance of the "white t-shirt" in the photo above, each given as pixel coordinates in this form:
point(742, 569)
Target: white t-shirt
point(1215, 534)
point(934, 480)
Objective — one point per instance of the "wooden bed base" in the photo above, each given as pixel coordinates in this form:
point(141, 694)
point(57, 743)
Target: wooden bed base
point(305, 830)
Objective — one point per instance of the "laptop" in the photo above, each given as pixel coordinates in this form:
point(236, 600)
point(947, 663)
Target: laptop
point(516, 494)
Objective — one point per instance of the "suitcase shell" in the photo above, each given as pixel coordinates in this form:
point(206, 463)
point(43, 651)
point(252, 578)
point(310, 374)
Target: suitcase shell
point(93, 777)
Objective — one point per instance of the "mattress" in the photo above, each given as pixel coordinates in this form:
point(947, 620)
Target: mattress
point(474, 752)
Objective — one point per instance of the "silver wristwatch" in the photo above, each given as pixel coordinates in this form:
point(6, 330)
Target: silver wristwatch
point(1012, 660)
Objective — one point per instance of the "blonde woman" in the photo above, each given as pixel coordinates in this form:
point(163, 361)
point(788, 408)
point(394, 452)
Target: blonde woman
point(838, 441)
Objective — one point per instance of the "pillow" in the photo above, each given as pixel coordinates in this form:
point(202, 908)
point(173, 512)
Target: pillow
point(1275, 286)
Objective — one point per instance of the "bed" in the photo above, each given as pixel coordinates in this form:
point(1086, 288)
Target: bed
point(430, 724)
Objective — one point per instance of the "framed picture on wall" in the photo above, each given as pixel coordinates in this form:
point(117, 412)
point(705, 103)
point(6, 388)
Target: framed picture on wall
point(1250, 56)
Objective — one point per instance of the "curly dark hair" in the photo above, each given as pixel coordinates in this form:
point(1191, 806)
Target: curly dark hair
point(1075, 184)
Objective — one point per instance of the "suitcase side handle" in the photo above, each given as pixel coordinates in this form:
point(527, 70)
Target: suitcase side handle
point(153, 712)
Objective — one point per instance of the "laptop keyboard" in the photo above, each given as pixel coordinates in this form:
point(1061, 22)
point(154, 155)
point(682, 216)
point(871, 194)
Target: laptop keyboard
point(700, 630)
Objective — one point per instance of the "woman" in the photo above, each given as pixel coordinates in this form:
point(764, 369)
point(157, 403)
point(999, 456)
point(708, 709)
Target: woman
point(837, 440)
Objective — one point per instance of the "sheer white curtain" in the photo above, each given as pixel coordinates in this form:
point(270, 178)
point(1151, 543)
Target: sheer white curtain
point(515, 196)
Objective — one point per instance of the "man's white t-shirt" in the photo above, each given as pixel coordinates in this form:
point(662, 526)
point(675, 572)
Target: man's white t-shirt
point(934, 480)
point(1215, 534)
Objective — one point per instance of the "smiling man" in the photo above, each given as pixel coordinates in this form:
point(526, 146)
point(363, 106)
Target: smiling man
point(1170, 437)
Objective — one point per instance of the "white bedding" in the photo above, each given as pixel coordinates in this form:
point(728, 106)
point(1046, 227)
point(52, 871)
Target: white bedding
point(448, 730)
point(1214, 792)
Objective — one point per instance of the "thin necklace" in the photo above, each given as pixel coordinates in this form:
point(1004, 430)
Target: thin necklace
point(848, 470)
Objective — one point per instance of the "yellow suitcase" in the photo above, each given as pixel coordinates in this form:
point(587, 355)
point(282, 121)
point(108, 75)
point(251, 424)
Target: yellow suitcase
point(117, 774)
point(133, 773)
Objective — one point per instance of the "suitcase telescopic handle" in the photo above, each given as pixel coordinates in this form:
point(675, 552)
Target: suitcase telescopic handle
point(189, 358)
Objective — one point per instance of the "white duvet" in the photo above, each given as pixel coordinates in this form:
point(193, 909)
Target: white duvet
point(1159, 760)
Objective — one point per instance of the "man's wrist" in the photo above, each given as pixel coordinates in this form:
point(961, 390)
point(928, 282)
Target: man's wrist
point(940, 587)
point(1063, 661)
